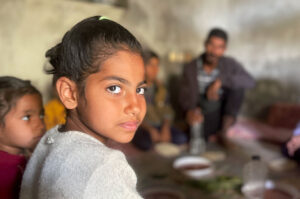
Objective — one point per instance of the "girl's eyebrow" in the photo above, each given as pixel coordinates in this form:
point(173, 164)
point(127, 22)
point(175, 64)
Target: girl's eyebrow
point(122, 80)
point(142, 82)
point(30, 111)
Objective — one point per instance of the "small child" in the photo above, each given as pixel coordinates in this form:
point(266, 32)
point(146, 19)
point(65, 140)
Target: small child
point(157, 125)
point(21, 127)
point(100, 79)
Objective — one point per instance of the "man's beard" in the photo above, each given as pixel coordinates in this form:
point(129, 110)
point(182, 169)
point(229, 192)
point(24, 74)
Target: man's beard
point(211, 59)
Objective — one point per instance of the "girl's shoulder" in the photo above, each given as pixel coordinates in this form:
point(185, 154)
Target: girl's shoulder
point(76, 165)
point(113, 178)
point(75, 144)
point(74, 151)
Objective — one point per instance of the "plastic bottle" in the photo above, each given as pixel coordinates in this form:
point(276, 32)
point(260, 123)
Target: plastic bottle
point(254, 177)
point(197, 143)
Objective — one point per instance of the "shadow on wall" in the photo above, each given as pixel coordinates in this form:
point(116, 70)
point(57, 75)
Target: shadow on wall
point(266, 93)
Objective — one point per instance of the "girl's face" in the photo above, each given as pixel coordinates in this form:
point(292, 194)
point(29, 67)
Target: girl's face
point(23, 125)
point(114, 104)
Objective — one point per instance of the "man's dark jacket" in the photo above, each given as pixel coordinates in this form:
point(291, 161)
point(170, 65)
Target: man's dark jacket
point(232, 75)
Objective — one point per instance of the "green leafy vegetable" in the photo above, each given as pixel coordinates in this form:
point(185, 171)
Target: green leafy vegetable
point(218, 184)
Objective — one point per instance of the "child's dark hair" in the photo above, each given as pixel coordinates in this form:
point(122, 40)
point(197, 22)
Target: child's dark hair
point(148, 54)
point(86, 46)
point(12, 89)
point(218, 32)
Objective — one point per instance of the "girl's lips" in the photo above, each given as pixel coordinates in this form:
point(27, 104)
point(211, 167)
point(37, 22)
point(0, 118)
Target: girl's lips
point(130, 126)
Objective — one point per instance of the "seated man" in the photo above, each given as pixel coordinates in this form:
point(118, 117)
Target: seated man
point(157, 125)
point(213, 85)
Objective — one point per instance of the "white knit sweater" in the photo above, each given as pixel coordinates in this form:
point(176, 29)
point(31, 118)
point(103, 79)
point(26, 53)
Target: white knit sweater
point(75, 165)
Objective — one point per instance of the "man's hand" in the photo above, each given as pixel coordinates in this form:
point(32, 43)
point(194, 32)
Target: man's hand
point(194, 116)
point(293, 144)
point(213, 90)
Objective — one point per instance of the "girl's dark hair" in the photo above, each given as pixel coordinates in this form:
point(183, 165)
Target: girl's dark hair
point(86, 46)
point(148, 54)
point(12, 89)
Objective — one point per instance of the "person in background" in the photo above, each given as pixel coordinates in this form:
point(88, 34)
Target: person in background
point(157, 125)
point(292, 148)
point(21, 127)
point(99, 75)
point(213, 87)
point(251, 130)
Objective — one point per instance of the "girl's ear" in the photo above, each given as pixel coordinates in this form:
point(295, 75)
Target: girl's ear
point(67, 92)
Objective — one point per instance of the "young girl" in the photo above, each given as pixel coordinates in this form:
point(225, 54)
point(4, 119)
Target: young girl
point(21, 127)
point(100, 79)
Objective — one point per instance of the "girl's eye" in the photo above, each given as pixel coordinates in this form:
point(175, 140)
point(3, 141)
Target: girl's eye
point(141, 90)
point(26, 117)
point(42, 116)
point(114, 89)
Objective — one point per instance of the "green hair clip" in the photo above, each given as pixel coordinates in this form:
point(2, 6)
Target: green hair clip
point(103, 17)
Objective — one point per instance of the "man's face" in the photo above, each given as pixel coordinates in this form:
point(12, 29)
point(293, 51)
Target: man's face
point(214, 49)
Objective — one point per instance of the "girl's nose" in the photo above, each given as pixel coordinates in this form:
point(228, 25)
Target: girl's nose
point(132, 105)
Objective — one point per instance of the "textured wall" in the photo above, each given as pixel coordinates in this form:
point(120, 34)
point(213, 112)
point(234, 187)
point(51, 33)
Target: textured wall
point(30, 27)
point(261, 32)
point(263, 36)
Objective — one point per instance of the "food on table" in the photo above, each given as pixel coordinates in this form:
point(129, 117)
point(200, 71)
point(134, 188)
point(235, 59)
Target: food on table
point(193, 167)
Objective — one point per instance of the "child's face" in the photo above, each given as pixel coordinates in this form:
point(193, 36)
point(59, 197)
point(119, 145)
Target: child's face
point(115, 105)
point(23, 125)
point(152, 69)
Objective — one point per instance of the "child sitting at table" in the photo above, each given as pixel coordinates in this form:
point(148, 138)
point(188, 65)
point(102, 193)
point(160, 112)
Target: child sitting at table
point(157, 125)
point(21, 127)
point(100, 79)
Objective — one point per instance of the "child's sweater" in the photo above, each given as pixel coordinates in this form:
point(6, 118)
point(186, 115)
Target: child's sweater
point(11, 171)
point(75, 165)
